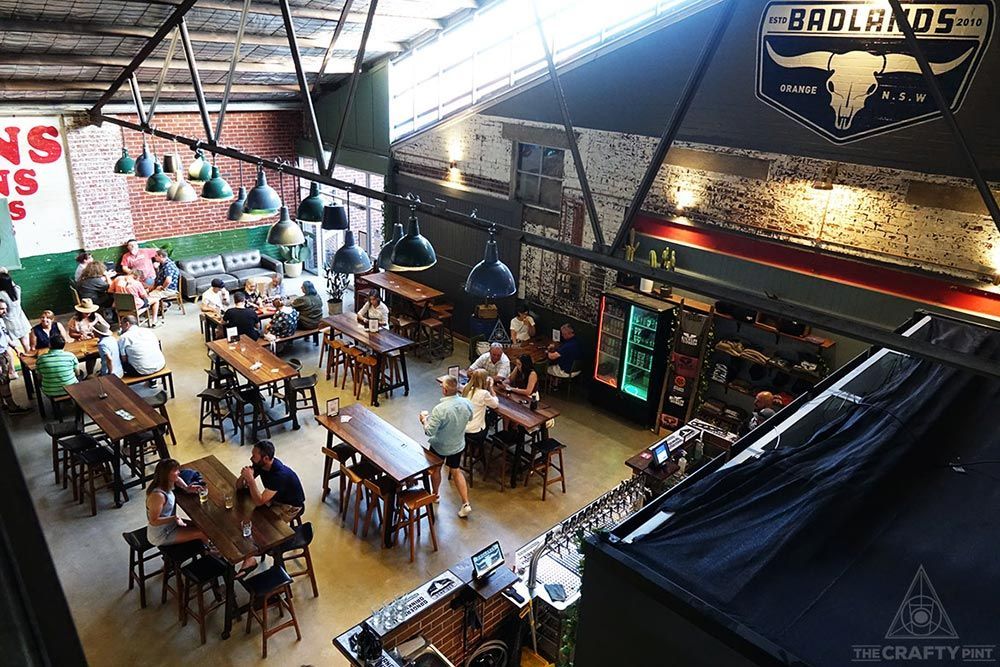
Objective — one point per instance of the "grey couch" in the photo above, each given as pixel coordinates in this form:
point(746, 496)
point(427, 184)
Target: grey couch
point(233, 268)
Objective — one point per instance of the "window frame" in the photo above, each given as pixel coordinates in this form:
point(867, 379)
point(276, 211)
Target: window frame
point(516, 171)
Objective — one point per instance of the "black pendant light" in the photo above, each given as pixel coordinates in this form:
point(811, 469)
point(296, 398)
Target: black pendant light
point(413, 252)
point(491, 279)
point(285, 231)
point(385, 255)
point(351, 258)
point(237, 210)
point(311, 208)
point(262, 200)
point(144, 167)
point(335, 215)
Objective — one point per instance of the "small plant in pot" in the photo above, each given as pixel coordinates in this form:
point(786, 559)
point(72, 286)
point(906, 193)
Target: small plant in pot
point(290, 258)
point(336, 285)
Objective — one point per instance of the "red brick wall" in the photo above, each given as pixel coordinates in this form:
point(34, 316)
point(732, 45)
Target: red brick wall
point(269, 134)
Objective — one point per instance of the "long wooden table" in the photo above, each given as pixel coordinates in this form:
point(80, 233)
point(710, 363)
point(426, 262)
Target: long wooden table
point(213, 320)
point(393, 452)
point(102, 410)
point(419, 296)
point(381, 343)
point(244, 357)
point(82, 349)
point(224, 527)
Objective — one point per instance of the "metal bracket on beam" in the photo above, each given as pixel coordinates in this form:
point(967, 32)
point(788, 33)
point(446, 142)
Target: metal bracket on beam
point(199, 93)
point(581, 174)
point(949, 118)
point(352, 88)
point(674, 124)
point(232, 70)
point(286, 14)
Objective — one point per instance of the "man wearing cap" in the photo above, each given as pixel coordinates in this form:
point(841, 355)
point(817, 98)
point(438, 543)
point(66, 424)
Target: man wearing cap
point(107, 350)
point(216, 298)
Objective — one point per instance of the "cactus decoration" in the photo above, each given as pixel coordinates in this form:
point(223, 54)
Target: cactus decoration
point(666, 260)
point(631, 246)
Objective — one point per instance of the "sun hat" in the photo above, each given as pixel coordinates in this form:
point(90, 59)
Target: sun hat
point(102, 329)
point(87, 306)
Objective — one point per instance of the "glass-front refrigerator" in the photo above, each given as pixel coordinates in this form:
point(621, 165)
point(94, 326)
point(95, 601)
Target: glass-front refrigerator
point(634, 334)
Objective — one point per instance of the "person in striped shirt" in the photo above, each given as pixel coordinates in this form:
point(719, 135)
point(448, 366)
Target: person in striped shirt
point(56, 368)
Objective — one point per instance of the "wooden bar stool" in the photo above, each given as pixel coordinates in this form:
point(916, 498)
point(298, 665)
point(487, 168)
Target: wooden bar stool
point(57, 430)
point(351, 356)
point(351, 477)
point(413, 506)
point(376, 492)
point(138, 545)
point(431, 330)
point(544, 455)
point(68, 447)
point(336, 360)
point(174, 557)
point(304, 393)
point(327, 344)
point(403, 325)
point(364, 367)
point(202, 572)
point(271, 587)
point(249, 412)
point(158, 402)
point(90, 464)
point(294, 548)
point(137, 448)
point(212, 400)
point(338, 454)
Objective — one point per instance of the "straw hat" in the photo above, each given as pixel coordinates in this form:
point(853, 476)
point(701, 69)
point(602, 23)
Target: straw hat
point(87, 306)
point(102, 329)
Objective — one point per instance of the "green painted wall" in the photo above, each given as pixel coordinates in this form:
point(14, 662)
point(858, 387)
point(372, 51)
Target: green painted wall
point(44, 279)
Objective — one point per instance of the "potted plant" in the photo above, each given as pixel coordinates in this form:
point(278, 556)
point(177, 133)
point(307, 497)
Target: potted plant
point(290, 258)
point(336, 285)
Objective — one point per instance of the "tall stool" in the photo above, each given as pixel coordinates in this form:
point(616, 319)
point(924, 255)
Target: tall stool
point(68, 447)
point(202, 572)
point(326, 346)
point(57, 430)
point(303, 393)
point(256, 418)
point(432, 331)
point(90, 464)
point(137, 448)
point(413, 506)
point(220, 374)
point(158, 402)
point(297, 547)
point(376, 492)
point(339, 454)
point(174, 557)
point(351, 476)
point(444, 313)
point(336, 360)
point(138, 545)
point(271, 587)
point(403, 325)
point(475, 452)
point(392, 372)
point(212, 400)
point(364, 370)
point(351, 356)
point(544, 455)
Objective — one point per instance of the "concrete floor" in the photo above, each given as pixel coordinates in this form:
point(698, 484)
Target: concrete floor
point(354, 574)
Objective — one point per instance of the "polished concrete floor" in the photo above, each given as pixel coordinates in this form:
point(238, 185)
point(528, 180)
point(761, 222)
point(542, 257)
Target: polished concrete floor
point(354, 574)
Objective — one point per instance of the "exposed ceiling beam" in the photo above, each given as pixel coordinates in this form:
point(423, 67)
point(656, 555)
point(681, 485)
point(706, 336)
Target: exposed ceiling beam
point(58, 85)
point(271, 66)
point(417, 21)
point(348, 41)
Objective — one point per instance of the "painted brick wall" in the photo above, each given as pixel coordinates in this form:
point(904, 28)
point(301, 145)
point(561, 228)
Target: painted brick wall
point(865, 215)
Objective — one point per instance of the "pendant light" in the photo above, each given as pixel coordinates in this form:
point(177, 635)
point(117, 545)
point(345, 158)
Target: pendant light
point(216, 188)
point(285, 231)
point(351, 258)
point(491, 279)
point(385, 254)
point(158, 183)
point(236, 211)
point(200, 170)
point(262, 200)
point(181, 191)
point(311, 208)
point(125, 164)
point(335, 216)
point(172, 162)
point(144, 165)
point(413, 252)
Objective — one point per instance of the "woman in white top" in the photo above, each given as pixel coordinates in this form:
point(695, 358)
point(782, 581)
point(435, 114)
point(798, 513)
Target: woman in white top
point(481, 394)
point(165, 527)
point(522, 327)
point(374, 309)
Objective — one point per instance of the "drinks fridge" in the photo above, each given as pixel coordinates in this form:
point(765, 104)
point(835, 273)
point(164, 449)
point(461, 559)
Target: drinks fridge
point(634, 335)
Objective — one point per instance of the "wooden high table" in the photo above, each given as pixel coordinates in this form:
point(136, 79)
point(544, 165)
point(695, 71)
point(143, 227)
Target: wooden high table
point(82, 349)
point(393, 452)
point(381, 343)
point(244, 355)
point(213, 320)
point(224, 527)
point(118, 396)
point(404, 288)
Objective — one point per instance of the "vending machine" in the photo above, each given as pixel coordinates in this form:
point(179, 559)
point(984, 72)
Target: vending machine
point(634, 336)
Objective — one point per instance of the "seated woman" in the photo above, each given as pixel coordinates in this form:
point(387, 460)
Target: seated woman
point(523, 380)
point(252, 296)
point(276, 288)
point(284, 321)
point(310, 307)
point(165, 527)
point(47, 327)
point(93, 285)
point(81, 326)
point(129, 283)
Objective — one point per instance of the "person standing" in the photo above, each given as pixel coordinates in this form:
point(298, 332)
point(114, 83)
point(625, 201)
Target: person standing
point(140, 349)
point(138, 262)
point(445, 427)
point(7, 369)
point(107, 350)
point(56, 368)
point(15, 320)
point(481, 392)
point(310, 307)
point(243, 317)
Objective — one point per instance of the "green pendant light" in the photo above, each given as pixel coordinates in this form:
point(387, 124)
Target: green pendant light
point(158, 183)
point(125, 164)
point(200, 170)
point(285, 231)
point(216, 188)
point(413, 252)
point(311, 208)
point(385, 255)
point(350, 258)
point(262, 200)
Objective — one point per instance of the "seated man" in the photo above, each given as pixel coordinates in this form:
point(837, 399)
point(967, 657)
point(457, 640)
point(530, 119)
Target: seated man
point(140, 349)
point(282, 490)
point(167, 280)
point(243, 317)
point(374, 309)
point(495, 362)
point(130, 284)
point(56, 368)
point(107, 348)
point(136, 261)
point(565, 354)
point(522, 327)
point(276, 288)
point(216, 298)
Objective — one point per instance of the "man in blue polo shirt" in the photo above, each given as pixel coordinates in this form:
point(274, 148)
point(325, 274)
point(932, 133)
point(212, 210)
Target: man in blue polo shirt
point(282, 490)
point(563, 356)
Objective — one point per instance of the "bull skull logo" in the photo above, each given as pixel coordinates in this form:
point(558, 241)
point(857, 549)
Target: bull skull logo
point(854, 75)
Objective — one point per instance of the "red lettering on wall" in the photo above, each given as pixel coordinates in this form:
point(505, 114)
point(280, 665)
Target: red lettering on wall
point(4, 182)
point(26, 182)
point(16, 210)
point(46, 149)
point(9, 149)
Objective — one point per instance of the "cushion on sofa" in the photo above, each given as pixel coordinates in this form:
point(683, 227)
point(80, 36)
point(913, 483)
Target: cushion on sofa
point(243, 274)
point(204, 282)
point(244, 259)
point(202, 266)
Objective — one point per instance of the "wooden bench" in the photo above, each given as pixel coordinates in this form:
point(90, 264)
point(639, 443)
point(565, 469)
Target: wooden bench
point(164, 375)
point(299, 334)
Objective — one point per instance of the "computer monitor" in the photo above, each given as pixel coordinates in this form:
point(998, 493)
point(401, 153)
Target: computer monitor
point(660, 453)
point(487, 560)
